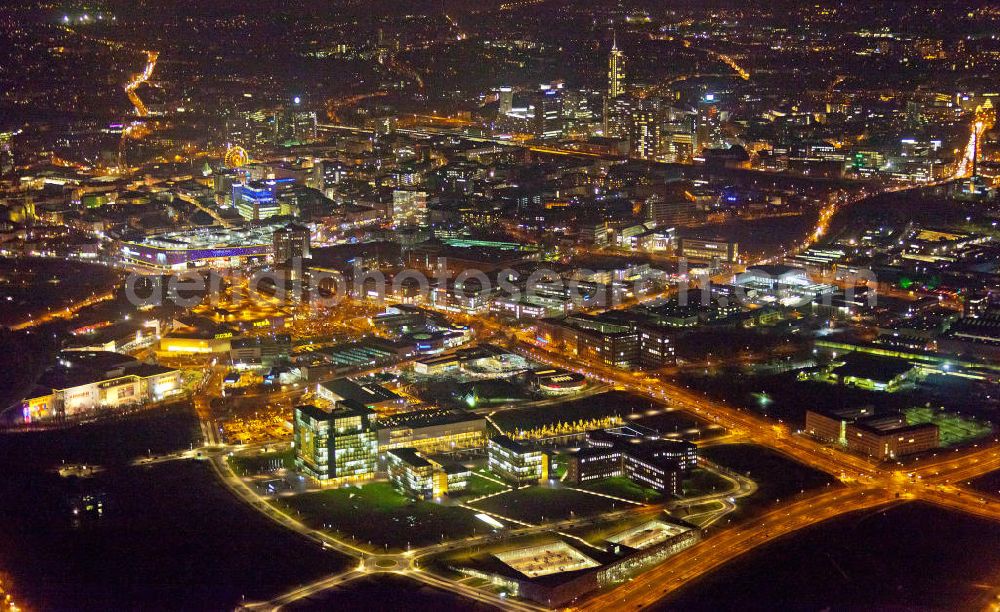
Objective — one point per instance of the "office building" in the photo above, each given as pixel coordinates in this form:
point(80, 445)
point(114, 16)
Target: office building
point(259, 200)
point(261, 351)
point(294, 124)
point(506, 99)
point(617, 112)
point(655, 464)
point(644, 134)
point(616, 71)
point(831, 425)
point(290, 242)
point(884, 437)
point(547, 118)
point(668, 210)
point(335, 446)
point(714, 251)
point(432, 431)
point(409, 208)
point(370, 395)
point(656, 346)
point(592, 464)
point(890, 437)
point(516, 463)
point(328, 174)
point(423, 478)
point(592, 338)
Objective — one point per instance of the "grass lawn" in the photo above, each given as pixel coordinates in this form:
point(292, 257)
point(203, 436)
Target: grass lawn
point(376, 513)
point(558, 467)
point(619, 486)
point(703, 482)
point(955, 430)
point(988, 483)
point(480, 484)
point(260, 463)
point(699, 509)
point(777, 476)
point(538, 504)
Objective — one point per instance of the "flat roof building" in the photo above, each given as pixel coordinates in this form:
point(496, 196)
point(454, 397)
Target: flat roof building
point(372, 396)
point(335, 446)
point(884, 437)
point(515, 462)
point(873, 373)
point(84, 382)
point(592, 337)
point(720, 250)
point(431, 431)
point(209, 247)
point(417, 476)
point(655, 464)
point(891, 437)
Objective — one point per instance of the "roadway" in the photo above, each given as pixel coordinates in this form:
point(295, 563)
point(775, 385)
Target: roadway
point(139, 79)
point(841, 465)
point(715, 551)
point(869, 484)
point(63, 313)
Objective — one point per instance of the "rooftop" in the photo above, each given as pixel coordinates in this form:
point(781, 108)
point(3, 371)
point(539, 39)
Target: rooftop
point(364, 394)
point(891, 424)
point(410, 456)
point(426, 418)
point(209, 237)
point(862, 365)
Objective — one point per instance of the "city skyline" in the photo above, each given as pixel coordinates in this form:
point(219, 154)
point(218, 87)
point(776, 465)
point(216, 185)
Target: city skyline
point(522, 305)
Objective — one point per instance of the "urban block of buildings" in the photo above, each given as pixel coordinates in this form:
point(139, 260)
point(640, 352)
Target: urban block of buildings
point(884, 437)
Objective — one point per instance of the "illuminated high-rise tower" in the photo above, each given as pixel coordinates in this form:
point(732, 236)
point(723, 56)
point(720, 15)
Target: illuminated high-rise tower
point(616, 71)
point(644, 134)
